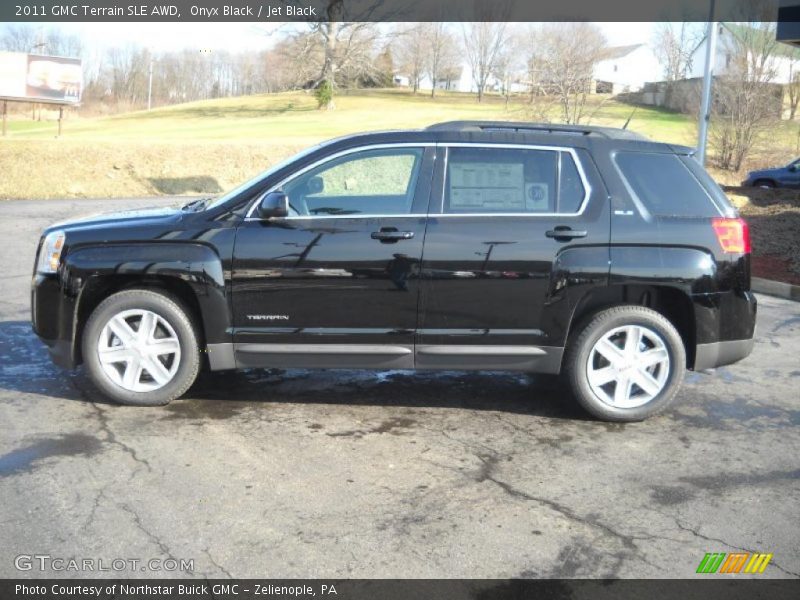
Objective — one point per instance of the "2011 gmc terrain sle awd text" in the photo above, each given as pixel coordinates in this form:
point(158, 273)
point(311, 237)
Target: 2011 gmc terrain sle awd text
point(586, 251)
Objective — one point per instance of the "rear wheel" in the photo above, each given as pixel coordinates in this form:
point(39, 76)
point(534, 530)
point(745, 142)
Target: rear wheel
point(626, 364)
point(140, 348)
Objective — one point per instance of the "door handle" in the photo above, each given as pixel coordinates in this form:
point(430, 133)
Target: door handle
point(388, 236)
point(563, 233)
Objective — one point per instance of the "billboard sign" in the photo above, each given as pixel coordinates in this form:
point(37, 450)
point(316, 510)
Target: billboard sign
point(37, 78)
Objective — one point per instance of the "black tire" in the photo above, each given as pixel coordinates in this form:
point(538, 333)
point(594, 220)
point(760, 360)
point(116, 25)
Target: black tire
point(168, 308)
point(764, 183)
point(583, 341)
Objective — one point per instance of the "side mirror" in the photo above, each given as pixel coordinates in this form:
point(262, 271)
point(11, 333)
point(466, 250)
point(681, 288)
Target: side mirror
point(274, 205)
point(316, 185)
point(792, 168)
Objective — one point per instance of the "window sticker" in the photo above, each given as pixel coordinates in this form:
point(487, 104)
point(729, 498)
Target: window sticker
point(495, 186)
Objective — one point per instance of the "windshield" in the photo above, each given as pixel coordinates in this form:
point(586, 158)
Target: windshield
point(239, 189)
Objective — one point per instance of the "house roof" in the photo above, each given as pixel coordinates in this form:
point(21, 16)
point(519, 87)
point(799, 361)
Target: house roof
point(615, 52)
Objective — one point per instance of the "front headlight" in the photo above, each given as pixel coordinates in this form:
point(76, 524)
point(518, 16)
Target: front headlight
point(50, 253)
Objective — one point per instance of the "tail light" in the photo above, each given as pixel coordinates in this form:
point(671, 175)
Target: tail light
point(733, 235)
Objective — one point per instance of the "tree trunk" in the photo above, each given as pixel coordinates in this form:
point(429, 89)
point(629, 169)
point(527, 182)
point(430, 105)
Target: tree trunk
point(334, 13)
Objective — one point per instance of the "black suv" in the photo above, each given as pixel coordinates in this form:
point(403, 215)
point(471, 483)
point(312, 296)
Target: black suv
point(586, 251)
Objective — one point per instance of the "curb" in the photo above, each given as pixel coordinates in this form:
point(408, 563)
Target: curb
point(775, 288)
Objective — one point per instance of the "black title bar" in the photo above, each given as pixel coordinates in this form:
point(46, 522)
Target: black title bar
point(265, 11)
point(737, 588)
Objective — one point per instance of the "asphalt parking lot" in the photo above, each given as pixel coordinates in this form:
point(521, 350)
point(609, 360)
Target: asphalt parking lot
point(359, 474)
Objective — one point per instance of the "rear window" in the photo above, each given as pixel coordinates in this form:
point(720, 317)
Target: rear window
point(663, 185)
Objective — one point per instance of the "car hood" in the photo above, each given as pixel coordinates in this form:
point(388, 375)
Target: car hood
point(761, 172)
point(128, 218)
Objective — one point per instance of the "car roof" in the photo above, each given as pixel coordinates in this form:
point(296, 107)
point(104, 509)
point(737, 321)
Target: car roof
point(510, 132)
point(537, 128)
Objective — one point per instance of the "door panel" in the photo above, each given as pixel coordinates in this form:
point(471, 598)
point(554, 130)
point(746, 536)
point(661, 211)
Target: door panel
point(307, 288)
point(504, 221)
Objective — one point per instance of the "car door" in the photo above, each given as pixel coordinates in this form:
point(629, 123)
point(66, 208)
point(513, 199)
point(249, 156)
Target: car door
point(790, 177)
point(335, 284)
point(514, 235)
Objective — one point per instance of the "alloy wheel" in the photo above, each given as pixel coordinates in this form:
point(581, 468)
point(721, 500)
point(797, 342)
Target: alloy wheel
point(628, 366)
point(139, 350)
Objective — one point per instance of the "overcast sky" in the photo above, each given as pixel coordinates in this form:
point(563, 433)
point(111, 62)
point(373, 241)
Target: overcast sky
point(161, 37)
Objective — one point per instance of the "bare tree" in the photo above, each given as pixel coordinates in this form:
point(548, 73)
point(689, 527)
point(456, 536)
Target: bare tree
point(128, 73)
point(509, 61)
point(482, 43)
point(442, 54)
point(562, 61)
point(18, 38)
point(412, 49)
point(59, 43)
point(793, 87)
point(346, 48)
point(37, 40)
point(745, 101)
point(673, 45)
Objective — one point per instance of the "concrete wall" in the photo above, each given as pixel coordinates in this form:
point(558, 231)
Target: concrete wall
point(684, 96)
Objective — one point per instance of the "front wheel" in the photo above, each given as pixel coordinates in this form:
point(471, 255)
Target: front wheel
point(626, 364)
point(140, 348)
point(764, 183)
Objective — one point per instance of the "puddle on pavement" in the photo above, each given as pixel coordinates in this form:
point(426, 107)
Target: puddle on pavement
point(26, 458)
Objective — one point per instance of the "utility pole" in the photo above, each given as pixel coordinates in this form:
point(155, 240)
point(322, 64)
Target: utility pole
point(150, 84)
point(708, 80)
point(39, 47)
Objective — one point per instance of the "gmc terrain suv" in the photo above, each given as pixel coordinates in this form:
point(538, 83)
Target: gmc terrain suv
point(586, 251)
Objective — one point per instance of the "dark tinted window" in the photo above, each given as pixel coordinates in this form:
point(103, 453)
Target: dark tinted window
point(505, 180)
point(664, 185)
point(570, 190)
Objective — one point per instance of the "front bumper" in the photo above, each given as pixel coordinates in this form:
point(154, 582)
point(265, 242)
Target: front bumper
point(53, 318)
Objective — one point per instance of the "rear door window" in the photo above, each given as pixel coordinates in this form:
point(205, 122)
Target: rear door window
point(663, 185)
point(484, 180)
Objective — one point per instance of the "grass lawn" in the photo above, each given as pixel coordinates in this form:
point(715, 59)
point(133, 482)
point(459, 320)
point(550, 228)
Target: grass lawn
point(293, 117)
point(209, 146)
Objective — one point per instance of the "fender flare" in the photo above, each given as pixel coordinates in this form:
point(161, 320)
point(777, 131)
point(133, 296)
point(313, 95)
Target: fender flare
point(196, 265)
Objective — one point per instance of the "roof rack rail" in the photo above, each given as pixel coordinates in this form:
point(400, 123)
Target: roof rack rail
point(606, 132)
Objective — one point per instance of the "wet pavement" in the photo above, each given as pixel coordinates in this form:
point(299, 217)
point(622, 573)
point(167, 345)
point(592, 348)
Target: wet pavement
point(391, 474)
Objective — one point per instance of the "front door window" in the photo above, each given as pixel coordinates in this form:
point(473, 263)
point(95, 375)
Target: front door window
point(371, 182)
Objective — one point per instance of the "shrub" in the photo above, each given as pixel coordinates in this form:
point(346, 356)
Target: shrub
point(324, 94)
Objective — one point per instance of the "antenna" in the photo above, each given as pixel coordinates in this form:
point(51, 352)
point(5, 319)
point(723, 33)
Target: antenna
point(635, 108)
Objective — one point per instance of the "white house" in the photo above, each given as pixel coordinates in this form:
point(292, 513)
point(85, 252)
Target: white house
point(627, 69)
point(782, 60)
point(462, 83)
point(401, 80)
